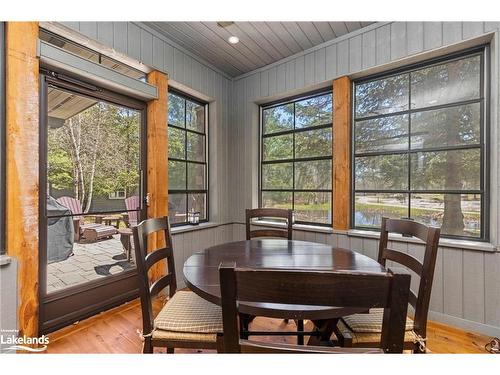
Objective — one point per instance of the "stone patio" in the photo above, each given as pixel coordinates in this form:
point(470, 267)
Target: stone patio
point(90, 261)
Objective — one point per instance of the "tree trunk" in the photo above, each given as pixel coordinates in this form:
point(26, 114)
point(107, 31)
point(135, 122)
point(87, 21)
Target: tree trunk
point(94, 161)
point(76, 145)
point(128, 157)
point(453, 218)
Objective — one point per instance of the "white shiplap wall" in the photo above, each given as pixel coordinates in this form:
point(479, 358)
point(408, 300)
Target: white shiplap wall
point(466, 288)
point(186, 243)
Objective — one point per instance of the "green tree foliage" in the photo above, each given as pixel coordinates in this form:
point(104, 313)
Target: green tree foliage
point(309, 175)
point(451, 82)
point(176, 143)
point(186, 146)
point(176, 110)
point(278, 119)
point(382, 134)
point(95, 152)
point(59, 171)
point(184, 113)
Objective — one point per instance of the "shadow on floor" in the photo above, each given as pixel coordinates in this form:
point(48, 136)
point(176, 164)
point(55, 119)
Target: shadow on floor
point(104, 269)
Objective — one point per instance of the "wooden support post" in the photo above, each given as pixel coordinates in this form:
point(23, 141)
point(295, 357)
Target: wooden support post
point(157, 160)
point(341, 153)
point(22, 134)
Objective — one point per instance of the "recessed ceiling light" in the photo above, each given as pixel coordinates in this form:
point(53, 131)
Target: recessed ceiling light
point(233, 39)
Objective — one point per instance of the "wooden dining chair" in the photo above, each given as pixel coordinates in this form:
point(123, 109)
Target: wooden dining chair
point(186, 320)
point(363, 330)
point(274, 213)
point(388, 291)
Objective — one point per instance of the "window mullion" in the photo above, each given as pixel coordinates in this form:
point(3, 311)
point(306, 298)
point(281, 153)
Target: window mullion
point(185, 156)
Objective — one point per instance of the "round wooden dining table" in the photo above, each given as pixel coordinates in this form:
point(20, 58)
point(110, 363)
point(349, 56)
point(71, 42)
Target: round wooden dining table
point(201, 272)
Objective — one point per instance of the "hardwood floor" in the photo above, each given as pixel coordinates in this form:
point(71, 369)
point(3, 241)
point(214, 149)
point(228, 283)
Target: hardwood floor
point(116, 331)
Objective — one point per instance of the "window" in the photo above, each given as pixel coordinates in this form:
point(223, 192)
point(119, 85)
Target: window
point(187, 158)
point(296, 158)
point(118, 194)
point(419, 146)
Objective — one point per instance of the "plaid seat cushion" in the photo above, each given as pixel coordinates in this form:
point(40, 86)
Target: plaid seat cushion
point(160, 334)
point(186, 312)
point(370, 323)
point(369, 339)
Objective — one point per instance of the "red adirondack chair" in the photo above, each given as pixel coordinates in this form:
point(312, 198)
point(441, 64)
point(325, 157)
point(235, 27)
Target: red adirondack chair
point(133, 204)
point(75, 207)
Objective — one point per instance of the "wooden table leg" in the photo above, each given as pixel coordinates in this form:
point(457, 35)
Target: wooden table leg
point(244, 325)
point(76, 228)
point(129, 250)
point(300, 328)
point(326, 327)
point(125, 240)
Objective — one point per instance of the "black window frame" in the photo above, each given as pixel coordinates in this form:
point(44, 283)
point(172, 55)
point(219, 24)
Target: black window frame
point(205, 163)
point(293, 160)
point(484, 145)
point(51, 79)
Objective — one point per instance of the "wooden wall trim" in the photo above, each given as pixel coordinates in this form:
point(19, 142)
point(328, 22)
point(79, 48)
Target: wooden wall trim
point(341, 153)
point(22, 180)
point(157, 159)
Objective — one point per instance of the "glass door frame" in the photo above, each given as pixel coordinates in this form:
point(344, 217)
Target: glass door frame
point(63, 307)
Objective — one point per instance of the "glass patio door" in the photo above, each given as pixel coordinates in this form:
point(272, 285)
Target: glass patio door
point(92, 161)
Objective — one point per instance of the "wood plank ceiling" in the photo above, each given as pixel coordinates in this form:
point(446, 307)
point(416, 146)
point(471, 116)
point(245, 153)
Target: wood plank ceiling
point(261, 43)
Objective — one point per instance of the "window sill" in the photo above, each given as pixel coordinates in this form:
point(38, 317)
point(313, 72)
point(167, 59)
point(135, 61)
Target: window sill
point(191, 228)
point(443, 242)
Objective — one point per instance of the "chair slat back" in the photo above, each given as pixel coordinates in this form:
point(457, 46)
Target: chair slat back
point(270, 213)
point(133, 205)
point(268, 233)
point(320, 288)
point(425, 270)
point(73, 205)
point(145, 261)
